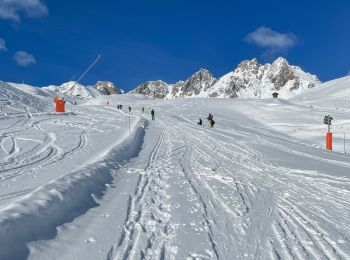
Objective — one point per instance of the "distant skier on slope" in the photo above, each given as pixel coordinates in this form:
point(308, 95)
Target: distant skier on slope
point(152, 113)
point(129, 109)
point(211, 120)
point(200, 122)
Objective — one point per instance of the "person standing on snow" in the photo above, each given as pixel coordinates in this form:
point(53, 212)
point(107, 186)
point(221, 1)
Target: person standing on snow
point(211, 120)
point(152, 113)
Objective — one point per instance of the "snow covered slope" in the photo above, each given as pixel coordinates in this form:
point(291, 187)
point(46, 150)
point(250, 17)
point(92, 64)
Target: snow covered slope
point(335, 93)
point(36, 91)
point(102, 183)
point(249, 80)
point(15, 101)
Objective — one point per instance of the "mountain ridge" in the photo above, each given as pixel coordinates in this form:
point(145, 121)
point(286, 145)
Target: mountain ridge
point(249, 80)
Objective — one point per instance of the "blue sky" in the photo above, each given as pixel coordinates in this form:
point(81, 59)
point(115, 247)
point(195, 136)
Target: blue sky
point(48, 42)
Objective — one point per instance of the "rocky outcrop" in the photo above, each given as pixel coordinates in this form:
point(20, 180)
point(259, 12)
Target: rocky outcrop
point(199, 82)
point(155, 89)
point(107, 88)
point(254, 80)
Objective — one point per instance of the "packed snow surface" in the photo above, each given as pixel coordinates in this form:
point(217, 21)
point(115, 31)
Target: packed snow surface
point(98, 182)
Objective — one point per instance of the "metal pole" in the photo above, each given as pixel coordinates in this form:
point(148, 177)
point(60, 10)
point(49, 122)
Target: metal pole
point(87, 70)
point(329, 127)
point(129, 123)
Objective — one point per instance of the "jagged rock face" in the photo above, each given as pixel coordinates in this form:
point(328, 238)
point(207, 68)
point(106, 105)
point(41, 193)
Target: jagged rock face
point(107, 88)
point(156, 89)
point(254, 80)
point(176, 88)
point(280, 73)
point(197, 83)
point(251, 66)
point(249, 80)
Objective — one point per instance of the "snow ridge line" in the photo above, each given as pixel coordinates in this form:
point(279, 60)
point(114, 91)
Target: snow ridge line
point(37, 215)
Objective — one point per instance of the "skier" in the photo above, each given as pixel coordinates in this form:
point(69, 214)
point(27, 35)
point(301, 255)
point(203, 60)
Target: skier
point(129, 109)
point(211, 120)
point(212, 123)
point(152, 113)
point(200, 121)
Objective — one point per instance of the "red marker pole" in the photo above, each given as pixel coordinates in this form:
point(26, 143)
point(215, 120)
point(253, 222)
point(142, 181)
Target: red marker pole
point(329, 137)
point(329, 141)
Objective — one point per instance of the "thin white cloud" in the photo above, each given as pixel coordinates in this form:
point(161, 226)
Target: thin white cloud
point(13, 9)
point(2, 44)
point(272, 41)
point(23, 58)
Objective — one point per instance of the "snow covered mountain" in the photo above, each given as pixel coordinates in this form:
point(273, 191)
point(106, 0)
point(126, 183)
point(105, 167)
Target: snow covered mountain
point(107, 88)
point(198, 83)
point(254, 80)
point(249, 80)
point(73, 88)
point(156, 89)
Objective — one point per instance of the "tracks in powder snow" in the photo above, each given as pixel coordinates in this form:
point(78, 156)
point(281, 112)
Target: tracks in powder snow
point(147, 230)
point(61, 200)
point(254, 209)
point(212, 194)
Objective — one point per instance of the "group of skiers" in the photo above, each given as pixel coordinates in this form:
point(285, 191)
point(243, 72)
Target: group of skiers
point(119, 106)
point(210, 119)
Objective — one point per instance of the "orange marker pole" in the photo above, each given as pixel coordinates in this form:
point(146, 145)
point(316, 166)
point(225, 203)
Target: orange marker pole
point(329, 141)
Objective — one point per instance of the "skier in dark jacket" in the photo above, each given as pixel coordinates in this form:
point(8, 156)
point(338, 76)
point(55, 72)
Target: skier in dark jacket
point(152, 113)
point(200, 121)
point(211, 120)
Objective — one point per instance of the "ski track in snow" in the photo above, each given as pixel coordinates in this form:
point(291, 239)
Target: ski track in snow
point(249, 219)
point(204, 193)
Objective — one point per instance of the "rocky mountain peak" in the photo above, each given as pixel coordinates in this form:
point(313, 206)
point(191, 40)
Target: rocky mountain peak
point(281, 72)
point(107, 88)
point(198, 82)
point(249, 65)
point(280, 62)
point(156, 89)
